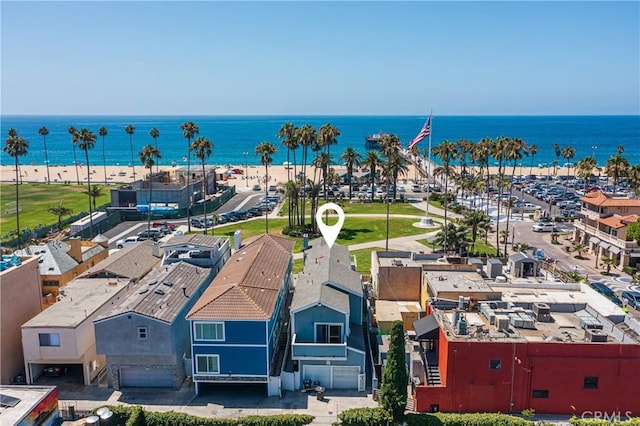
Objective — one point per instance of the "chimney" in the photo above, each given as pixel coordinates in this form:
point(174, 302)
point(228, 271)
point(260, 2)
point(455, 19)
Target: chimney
point(76, 249)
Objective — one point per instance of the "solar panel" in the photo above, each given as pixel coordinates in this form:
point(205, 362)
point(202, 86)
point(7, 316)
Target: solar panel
point(7, 401)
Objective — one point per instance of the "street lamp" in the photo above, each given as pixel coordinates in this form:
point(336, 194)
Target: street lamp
point(246, 166)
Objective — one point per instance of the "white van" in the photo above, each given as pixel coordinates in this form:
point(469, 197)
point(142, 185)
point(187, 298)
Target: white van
point(129, 240)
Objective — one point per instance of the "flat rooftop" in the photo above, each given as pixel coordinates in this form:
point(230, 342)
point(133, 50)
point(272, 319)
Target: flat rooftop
point(459, 282)
point(79, 300)
point(571, 314)
point(29, 397)
point(390, 310)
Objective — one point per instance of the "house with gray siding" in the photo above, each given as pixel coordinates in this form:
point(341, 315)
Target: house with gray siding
point(239, 325)
point(328, 321)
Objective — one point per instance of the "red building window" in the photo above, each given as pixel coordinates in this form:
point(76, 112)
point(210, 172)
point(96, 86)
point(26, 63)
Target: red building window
point(591, 382)
point(495, 364)
point(540, 393)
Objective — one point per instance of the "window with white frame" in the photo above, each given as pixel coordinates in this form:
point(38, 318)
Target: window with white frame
point(208, 364)
point(49, 339)
point(209, 331)
point(328, 333)
point(142, 333)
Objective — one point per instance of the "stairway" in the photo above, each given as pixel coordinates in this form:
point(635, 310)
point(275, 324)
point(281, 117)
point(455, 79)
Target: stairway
point(410, 404)
point(433, 376)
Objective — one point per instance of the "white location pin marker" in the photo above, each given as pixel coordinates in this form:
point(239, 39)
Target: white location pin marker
point(330, 233)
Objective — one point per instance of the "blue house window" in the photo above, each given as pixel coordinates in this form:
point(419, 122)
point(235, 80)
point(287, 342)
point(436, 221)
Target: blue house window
point(208, 364)
point(49, 339)
point(209, 331)
point(328, 333)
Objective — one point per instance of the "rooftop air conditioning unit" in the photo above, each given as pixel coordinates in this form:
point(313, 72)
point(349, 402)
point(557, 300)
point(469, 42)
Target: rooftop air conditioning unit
point(502, 322)
point(595, 335)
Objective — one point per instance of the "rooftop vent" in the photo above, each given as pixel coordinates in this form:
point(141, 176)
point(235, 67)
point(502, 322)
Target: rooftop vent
point(143, 291)
point(153, 282)
point(168, 283)
point(159, 291)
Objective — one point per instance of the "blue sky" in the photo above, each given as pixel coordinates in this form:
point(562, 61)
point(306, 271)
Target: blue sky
point(271, 58)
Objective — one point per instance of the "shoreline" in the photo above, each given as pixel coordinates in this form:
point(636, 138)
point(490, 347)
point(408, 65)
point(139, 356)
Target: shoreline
point(123, 174)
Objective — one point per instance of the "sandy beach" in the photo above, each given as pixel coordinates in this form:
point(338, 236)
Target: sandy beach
point(123, 174)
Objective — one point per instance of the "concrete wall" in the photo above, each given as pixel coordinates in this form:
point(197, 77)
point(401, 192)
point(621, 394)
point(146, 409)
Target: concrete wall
point(20, 300)
point(399, 283)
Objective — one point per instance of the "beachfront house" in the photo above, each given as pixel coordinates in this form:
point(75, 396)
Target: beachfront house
point(328, 321)
point(603, 228)
point(239, 325)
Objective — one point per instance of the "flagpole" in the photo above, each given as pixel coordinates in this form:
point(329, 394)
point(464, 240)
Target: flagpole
point(429, 163)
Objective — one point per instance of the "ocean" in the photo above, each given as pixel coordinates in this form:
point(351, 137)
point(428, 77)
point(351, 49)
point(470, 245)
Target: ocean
point(235, 137)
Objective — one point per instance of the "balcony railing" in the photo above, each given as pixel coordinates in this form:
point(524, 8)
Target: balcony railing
point(595, 232)
point(329, 351)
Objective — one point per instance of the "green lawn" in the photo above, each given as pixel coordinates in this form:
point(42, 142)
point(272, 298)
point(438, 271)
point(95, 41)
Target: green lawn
point(481, 248)
point(356, 230)
point(364, 208)
point(36, 198)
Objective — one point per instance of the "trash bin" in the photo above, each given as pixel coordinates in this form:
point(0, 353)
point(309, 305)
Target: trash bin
point(320, 393)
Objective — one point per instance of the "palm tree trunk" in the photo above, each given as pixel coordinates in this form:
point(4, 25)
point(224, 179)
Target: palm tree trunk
point(188, 182)
point(132, 161)
point(204, 194)
point(86, 154)
point(386, 241)
point(513, 173)
point(104, 163)
point(75, 163)
point(149, 201)
point(266, 194)
point(46, 158)
point(17, 205)
point(446, 203)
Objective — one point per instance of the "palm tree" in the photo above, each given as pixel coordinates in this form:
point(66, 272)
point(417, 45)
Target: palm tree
point(585, 170)
point(148, 157)
point(579, 247)
point(558, 152)
point(59, 212)
point(617, 167)
point(43, 131)
point(292, 191)
point(568, 152)
point(87, 140)
point(372, 161)
point(202, 148)
point(96, 191)
point(314, 192)
point(16, 147)
point(351, 158)
point(328, 135)
point(265, 150)
point(532, 151)
point(516, 148)
point(155, 134)
point(130, 130)
point(475, 220)
point(446, 152)
point(74, 140)
point(608, 262)
point(290, 134)
point(189, 130)
point(103, 132)
point(306, 138)
point(499, 150)
point(634, 177)
point(394, 166)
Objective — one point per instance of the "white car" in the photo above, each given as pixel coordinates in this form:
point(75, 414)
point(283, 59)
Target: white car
point(129, 240)
point(527, 208)
point(543, 227)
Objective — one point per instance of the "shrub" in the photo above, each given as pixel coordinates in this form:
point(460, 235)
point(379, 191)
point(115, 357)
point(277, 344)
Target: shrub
point(365, 417)
point(276, 420)
point(577, 421)
point(476, 419)
point(137, 417)
point(393, 393)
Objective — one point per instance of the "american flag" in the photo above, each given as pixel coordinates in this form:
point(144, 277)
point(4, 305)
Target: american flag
point(426, 131)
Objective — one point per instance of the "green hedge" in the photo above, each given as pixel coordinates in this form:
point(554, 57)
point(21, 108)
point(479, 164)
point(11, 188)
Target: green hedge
point(380, 417)
point(365, 417)
point(137, 416)
point(576, 421)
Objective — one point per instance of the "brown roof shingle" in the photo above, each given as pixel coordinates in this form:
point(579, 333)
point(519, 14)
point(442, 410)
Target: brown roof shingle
point(618, 222)
point(600, 199)
point(247, 286)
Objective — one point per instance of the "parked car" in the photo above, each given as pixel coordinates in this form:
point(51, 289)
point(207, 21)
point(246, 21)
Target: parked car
point(543, 227)
point(126, 241)
point(527, 208)
point(161, 223)
point(632, 298)
point(255, 211)
point(198, 222)
point(256, 187)
point(150, 234)
point(54, 370)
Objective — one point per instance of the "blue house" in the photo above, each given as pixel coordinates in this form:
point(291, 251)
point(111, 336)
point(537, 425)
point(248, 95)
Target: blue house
point(239, 323)
point(328, 321)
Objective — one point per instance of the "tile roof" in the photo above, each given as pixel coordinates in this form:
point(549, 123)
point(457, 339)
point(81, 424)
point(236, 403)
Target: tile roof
point(153, 298)
point(600, 199)
point(133, 261)
point(618, 222)
point(247, 286)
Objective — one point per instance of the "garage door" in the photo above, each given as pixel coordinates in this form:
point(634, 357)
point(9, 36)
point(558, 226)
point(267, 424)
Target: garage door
point(321, 373)
point(345, 377)
point(141, 378)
